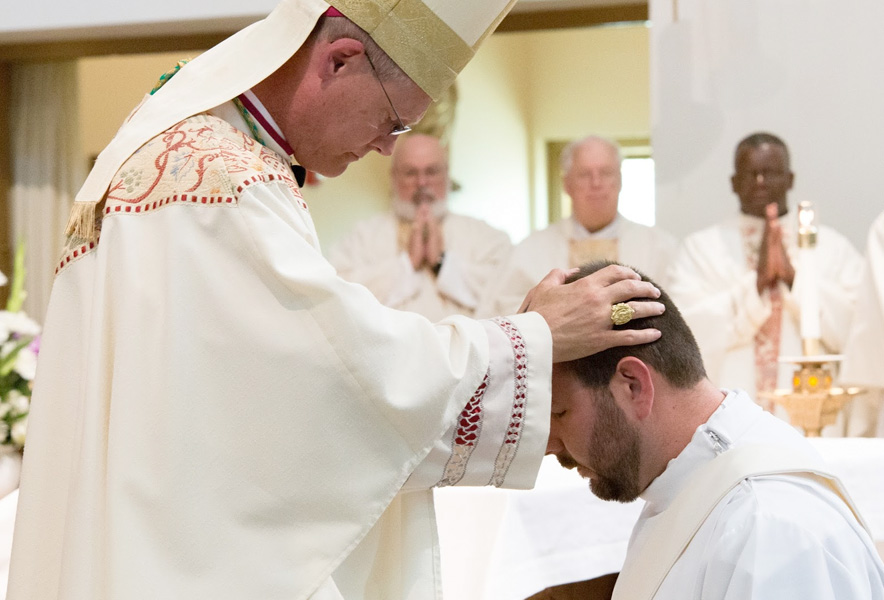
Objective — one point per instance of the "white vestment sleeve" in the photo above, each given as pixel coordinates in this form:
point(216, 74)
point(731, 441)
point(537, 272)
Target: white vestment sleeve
point(474, 254)
point(863, 361)
point(501, 435)
point(841, 267)
point(717, 297)
point(771, 558)
point(368, 256)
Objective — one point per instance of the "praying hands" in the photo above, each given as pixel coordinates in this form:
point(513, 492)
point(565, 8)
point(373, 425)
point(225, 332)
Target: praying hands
point(773, 260)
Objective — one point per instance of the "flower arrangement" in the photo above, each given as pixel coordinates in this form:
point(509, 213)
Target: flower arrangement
point(19, 345)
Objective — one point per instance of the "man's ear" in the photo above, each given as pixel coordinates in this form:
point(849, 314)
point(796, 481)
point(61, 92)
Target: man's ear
point(633, 388)
point(341, 56)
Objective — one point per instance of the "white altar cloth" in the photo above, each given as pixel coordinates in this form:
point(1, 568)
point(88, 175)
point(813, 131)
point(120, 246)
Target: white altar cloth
point(510, 544)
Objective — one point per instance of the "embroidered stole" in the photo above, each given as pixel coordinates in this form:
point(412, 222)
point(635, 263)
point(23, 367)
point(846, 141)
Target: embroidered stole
point(666, 536)
point(767, 339)
point(581, 252)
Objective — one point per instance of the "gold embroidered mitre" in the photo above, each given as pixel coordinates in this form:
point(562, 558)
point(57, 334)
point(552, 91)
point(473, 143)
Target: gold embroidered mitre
point(431, 40)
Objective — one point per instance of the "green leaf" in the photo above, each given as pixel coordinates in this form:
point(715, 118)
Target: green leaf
point(17, 289)
point(7, 363)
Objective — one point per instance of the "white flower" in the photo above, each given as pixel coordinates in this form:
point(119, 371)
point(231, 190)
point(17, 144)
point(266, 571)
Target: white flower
point(4, 431)
point(19, 323)
point(18, 403)
point(20, 432)
point(3, 280)
point(26, 363)
point(4, 410)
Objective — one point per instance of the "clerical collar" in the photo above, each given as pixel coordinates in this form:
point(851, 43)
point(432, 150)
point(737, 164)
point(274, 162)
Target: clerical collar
point(608, 232)
point(256, 115)
point(730, 422)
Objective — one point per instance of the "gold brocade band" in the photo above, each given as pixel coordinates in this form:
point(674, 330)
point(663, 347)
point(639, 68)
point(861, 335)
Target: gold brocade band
point(417, 40)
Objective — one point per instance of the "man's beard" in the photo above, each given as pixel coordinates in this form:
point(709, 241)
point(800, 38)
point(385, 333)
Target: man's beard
point(407, 209)
point(614, 446)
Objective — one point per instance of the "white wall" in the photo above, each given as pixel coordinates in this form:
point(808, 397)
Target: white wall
point(490, 144)
point(585, 81)
point(810, 72)
point(44, 20)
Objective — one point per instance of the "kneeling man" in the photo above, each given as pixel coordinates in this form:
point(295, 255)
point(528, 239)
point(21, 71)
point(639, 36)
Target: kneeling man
point(738, 504)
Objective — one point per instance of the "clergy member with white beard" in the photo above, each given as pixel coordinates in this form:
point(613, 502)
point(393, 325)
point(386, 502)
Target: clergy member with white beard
point(736, 282)
point(596, 230)
point(420, 257)
point(737, 503)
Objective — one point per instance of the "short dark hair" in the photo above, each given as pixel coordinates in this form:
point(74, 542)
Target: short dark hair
point(757, 139)
point(675, 355)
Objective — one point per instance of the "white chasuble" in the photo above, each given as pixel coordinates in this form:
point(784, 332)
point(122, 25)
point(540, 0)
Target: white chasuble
point(863, 360)
point(715, 291)
point(218, 415)
point(373, 255)
point(771, 537)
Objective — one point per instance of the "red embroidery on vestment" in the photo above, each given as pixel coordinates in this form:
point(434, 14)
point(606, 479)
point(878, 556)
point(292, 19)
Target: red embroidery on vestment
point(203, 157)
point(73, 255)
point(177, 198)
point(507, 451)
point(469, 427)
point(202, 160)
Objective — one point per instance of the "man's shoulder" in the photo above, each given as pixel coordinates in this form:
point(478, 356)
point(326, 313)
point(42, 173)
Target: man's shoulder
point(556, 232)
point(655, 233)
point(713, 230)
point(200, 160)
point(787, 505)
point(473, 224)
point(830, 236)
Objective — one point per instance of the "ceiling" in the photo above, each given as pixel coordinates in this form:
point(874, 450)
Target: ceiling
point(545, 5)
point(527, 15)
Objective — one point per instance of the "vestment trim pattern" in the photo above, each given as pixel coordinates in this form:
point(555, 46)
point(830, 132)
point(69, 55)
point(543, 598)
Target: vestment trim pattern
point(520, 399)
point(209, 160)
point(72, 255)
point(469, 428)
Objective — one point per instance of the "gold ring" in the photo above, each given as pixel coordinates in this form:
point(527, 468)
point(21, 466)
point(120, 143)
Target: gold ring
point(621, 313)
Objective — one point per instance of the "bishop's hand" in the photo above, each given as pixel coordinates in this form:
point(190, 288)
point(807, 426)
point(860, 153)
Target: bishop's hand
point(579, 314)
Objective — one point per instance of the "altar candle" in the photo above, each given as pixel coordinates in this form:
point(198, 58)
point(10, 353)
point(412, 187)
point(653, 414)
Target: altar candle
point(809, 292)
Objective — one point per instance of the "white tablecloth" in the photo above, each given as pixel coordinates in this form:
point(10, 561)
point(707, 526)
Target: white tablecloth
point(507, 544)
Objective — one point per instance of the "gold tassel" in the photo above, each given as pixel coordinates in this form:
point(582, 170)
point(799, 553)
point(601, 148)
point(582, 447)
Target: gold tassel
point(82, 221)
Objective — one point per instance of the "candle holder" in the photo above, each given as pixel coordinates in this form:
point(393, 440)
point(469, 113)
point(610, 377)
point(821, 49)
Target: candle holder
point(813, 402)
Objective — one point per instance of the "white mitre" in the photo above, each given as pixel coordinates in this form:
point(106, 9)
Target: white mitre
point(431, 40)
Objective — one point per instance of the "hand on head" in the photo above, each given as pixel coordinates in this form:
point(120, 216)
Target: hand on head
point(579, 314)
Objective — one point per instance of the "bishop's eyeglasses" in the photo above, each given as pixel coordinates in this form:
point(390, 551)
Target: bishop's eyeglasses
point(400, 127)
